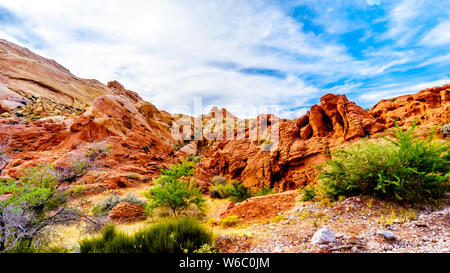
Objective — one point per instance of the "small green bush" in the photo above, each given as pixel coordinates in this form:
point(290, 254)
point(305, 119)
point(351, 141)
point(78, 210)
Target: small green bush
point(309, 193)
point(195, 158)
point(171, 235)
point(133, 176)
point(229, 221)
point(175, 189)
point(265, 190)
point(132, 198)
point(77, 191)
point(234, 190)
point(109, 202)
point(106, 205)
point(218, 180)
point(403, 168)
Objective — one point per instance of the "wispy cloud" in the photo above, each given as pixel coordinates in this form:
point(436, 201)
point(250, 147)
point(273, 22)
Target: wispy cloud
point(232, 52)
point(439, 35)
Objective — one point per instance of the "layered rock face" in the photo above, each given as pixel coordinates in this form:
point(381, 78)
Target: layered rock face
point(127, 212)
point(23, 74)
point(139, 148)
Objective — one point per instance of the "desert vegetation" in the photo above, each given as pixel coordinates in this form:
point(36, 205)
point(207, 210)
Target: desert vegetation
point(176, 189)
point(34, 204)
point(170, 235)
point(402, 168)
point(234, 190)
point(113, 199)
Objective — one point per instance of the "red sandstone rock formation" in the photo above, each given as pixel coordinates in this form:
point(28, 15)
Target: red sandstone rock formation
point(430, 105)
point(137, 131)
point(302, 144)
point(260, 207)
point(138, 147)
point(127, 212)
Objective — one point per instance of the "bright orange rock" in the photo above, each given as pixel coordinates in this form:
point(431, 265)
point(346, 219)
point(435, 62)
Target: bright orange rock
point(127, 212)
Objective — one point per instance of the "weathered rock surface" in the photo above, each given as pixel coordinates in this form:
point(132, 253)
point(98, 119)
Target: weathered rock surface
point(387, 235)
point(431, 105)
point(306, 142)
point(127, 212)
point(138, 147)
point(24, 72)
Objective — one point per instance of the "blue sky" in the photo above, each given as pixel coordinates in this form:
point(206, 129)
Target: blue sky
point(242, 54)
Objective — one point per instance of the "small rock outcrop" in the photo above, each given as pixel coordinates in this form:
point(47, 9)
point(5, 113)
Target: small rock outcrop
point(260, 207)
point(431, 104)
point(127, 212)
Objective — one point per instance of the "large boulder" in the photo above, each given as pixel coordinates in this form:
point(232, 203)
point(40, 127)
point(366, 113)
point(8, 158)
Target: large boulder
point(127, 212)
point(260, 207)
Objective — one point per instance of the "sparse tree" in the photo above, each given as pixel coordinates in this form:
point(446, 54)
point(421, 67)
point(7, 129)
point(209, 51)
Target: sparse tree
point(175, 189)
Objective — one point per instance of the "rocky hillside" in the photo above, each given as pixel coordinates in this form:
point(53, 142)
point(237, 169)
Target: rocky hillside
point(50, 115)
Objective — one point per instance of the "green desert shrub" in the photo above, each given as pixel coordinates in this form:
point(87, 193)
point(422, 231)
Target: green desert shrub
point(132, 198)
point(265, 190)
point(218, 180)
point(34, 204)
point(403, 168)
point(309, 193)
point(229, 221)
point(234, 190)
point(110, 201)
point(170, 235)
point(195, 158)
point(176, 190)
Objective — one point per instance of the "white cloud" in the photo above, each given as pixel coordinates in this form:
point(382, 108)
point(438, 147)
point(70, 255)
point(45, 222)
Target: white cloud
point(392, 90)
point(439, 35)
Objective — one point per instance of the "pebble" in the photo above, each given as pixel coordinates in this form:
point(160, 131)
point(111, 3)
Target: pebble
point(323, 236)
